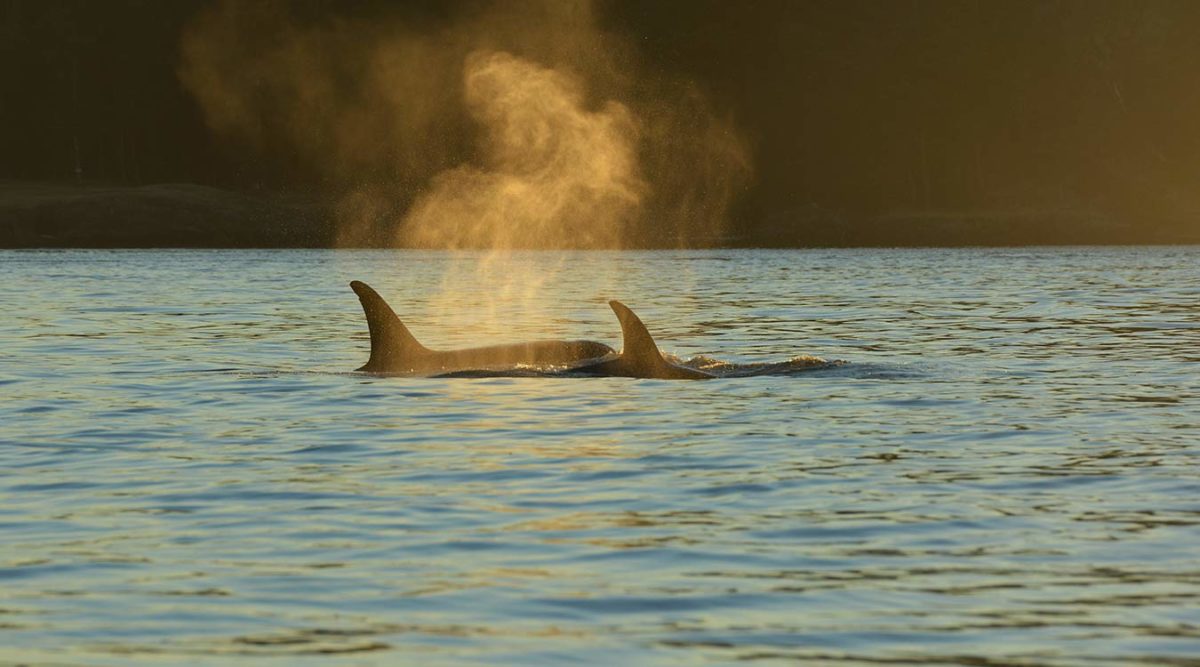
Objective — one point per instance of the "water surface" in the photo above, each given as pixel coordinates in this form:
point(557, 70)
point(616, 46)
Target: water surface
point(1003, 472)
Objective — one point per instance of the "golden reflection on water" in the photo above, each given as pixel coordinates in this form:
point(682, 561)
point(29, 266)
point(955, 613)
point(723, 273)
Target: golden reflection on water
point(208, 481)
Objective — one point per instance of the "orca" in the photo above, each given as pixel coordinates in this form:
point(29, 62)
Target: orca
point(395, 350)
point(639, 357)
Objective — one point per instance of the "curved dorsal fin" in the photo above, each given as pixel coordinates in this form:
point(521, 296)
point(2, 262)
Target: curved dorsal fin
point(639, 353)
point(637, 347)
point(391, 343)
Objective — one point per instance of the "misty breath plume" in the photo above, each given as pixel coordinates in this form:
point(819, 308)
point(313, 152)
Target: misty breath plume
point(552, 174)
point(519, 124)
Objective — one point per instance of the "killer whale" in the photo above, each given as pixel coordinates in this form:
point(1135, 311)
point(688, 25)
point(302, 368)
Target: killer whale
point(639, 357)
point(395, 350)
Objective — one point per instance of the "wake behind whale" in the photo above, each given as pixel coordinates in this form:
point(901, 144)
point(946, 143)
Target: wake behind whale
point(394, 350)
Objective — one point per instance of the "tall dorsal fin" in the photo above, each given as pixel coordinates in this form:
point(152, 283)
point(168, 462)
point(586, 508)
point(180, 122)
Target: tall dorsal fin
point(637, 347)
point(391, 342)
point(640, 357)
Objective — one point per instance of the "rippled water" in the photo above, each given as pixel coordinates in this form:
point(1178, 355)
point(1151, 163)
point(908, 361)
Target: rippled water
point(1004, 472)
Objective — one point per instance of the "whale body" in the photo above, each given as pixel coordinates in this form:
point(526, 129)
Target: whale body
point(395, 350)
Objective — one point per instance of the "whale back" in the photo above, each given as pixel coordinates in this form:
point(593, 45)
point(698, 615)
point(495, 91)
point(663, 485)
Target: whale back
point(393, 347)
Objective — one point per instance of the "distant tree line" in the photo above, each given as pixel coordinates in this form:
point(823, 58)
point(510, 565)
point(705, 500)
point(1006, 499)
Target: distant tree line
point(878, 108)
point(855, 109)
point(90, 92)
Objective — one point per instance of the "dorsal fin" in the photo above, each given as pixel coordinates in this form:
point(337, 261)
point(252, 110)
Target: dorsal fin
point(640, 357)
point(637, 347)
point(391, 343)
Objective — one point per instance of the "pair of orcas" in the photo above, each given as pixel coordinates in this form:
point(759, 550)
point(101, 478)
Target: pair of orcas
point(395, 350)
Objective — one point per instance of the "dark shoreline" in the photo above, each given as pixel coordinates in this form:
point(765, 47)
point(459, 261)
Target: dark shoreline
point(185, 215)
point(165, 215)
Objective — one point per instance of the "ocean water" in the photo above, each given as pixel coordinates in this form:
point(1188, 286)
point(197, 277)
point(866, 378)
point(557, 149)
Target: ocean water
point(1004, 471)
